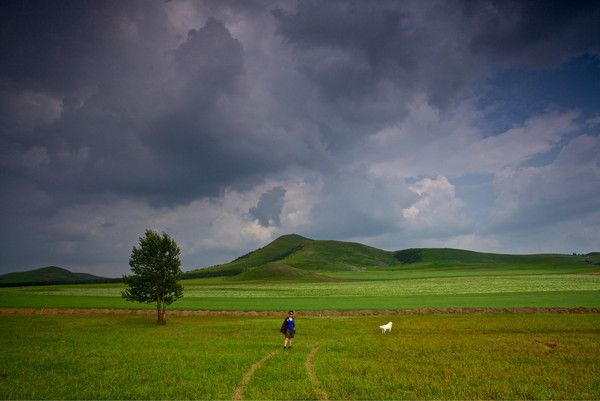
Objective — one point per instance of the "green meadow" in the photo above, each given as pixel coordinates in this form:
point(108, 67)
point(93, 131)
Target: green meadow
point(351, 291)
point(304, 274)
point(435, 356)
point(467, 356)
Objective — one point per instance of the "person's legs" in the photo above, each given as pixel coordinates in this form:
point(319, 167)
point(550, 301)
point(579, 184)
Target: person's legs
point(285, 342)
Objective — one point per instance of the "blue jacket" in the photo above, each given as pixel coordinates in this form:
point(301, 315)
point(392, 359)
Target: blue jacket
point(290, 324)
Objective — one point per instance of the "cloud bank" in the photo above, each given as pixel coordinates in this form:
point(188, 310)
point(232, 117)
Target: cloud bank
point(227, 124)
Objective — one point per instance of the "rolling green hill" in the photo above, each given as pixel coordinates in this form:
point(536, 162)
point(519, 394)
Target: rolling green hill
point(50, 274)
point(303, 254)
point(457, 257)
point(276, 271)
point(275, 251)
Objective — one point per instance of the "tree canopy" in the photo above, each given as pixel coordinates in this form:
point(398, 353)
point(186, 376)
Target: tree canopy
point(155, 265)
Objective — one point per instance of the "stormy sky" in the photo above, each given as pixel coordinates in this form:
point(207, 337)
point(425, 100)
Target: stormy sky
point(398, 124)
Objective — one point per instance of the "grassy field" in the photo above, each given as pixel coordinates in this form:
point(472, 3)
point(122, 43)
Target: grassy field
point(478, 356)
point(413, 288)
point(463, 356)
point(300, 273)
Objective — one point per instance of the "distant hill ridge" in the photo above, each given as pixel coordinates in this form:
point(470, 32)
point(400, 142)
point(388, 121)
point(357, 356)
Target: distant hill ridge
point(49, 274)
point(295, 252)
point(294, 257)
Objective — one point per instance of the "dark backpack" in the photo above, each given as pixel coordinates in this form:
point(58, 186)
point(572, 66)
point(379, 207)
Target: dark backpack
point(282, 329)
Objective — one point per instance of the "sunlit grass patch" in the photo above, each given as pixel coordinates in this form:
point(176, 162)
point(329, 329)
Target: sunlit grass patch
point(479, 356)
point(109, 357)
point(465, 357)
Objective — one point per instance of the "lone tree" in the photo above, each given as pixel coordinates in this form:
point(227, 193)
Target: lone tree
point(155, 266)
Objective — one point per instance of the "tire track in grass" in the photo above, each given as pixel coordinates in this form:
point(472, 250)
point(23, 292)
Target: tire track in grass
point(310, 367)
point(239, 391)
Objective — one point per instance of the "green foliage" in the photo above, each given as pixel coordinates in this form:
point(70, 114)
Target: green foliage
point(156, 269)
point(411, 255)
point(593, 258)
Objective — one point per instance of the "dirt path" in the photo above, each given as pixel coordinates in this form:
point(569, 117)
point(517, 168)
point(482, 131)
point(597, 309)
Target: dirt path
point(369, 312)
point(239, 391)
point(310, 367)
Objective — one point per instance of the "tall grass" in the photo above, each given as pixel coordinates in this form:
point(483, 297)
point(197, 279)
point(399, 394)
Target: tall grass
point(104, 357)
point(542, 356)
point(465, 357)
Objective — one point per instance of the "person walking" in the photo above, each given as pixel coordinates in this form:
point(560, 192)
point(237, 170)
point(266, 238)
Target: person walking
point(288, 329)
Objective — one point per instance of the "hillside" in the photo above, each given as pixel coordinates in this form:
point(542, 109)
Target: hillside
point(275, 251)
point(300, 253)
point(447, 258)
point(305, 254)
point(276, 271)
point(47, 275)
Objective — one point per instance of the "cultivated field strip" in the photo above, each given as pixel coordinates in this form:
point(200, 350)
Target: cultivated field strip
point(319, 313)
point(380, 284)
point(485, 284)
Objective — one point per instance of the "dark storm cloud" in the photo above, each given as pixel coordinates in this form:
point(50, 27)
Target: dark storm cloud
point(194, 139)
point(130, 102)
point(268, 209)
point(41, 41)
point(93, 60)
point(435, 48)
point(535, 32)
point(211, 60)
point(375, 43)
point(168, 111)
point(363, 31)
point(137, 103)
point(59, 46)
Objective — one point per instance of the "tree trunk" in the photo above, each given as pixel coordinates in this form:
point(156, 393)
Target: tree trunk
point(164, 320)
point(159, 309)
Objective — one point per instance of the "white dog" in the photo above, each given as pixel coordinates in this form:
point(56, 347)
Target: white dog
point(386, 327)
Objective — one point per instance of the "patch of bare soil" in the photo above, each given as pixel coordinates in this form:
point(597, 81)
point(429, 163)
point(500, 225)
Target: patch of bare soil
point(549, 347)
point(367, 312)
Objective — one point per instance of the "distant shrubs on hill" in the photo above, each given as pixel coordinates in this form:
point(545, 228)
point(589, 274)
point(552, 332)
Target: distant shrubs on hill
point(247, 255)
point(593, 258)
point(406, 256)
point(211, 272)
